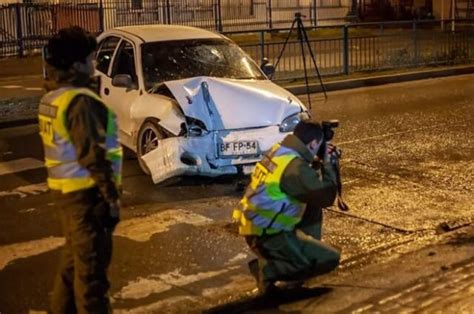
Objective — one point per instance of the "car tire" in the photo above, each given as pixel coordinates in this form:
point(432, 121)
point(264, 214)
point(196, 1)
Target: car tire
point(148, 139)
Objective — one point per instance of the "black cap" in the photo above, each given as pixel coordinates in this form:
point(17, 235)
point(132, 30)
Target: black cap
point(69, 45)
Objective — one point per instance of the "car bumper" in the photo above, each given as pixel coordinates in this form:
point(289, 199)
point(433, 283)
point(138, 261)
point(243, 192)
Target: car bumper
point(179, 156)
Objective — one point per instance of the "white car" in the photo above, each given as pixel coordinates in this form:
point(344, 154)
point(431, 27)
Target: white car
point(190, 101)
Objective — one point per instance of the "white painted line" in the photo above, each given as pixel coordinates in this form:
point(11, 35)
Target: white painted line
point(24, 191)
point(18, 165)
point(163, 306)
point(11, 86)
point(239, 284)
point(11, 252)
point(363, 309)
point(390, 298)
point(144, 287)
point(143, 228)
point(237, 258)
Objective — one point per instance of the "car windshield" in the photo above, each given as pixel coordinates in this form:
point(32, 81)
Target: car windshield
point(174, 60)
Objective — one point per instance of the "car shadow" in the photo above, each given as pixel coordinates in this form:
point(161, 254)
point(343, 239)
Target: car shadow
point(270, 303)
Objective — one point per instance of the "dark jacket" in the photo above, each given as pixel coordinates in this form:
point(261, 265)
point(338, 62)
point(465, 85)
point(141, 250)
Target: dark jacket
point(316, 188)
point(87, 124)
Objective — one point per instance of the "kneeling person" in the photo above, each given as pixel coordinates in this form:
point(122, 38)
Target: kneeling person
point(280, 214)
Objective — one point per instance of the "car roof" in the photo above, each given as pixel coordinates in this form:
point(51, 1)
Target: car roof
point(158, 32)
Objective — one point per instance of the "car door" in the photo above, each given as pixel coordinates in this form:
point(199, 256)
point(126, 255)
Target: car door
point(121, 98)
point(104, 57)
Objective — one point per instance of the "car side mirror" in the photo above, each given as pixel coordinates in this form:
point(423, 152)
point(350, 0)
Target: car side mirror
point(267, 68)
point(122, 80)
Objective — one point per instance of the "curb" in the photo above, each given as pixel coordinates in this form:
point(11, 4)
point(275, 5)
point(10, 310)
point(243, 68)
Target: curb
point(18, 111)
point(381, 80)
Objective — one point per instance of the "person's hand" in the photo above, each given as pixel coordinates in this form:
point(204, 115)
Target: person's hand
point(332, 153)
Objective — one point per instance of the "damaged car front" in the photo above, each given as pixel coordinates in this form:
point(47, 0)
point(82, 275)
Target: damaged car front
point(228, 112)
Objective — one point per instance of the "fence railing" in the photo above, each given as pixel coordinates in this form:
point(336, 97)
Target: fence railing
point(339, 49)
point(25, 26)
point(345, 49)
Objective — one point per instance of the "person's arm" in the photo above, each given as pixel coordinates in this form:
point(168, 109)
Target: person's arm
point(87, 123)
point(305, 184)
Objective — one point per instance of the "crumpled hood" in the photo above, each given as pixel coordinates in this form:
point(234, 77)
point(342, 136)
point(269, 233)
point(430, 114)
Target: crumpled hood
point(233, 104)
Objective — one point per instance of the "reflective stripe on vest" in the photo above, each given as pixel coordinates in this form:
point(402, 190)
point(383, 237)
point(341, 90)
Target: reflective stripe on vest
point(265, 207)
point(64, 172)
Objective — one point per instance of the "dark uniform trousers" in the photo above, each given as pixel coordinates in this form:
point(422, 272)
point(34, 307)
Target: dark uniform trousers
point(295, 255)
point(81, 285)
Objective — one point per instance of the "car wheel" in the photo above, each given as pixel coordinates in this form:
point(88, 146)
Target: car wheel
point(148, 140)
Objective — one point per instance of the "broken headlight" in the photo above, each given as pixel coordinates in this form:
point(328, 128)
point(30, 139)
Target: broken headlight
point(195, 127)
point(289, 123)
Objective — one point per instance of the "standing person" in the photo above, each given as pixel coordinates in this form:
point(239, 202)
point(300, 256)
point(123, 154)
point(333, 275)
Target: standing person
point(83, 158)
point(280, 215)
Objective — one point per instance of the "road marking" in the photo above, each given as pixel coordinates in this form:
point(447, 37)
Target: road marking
point(24, 191)
point(11, 252)
point(144, 287)
point(11, 86)
point(164, 306)
point(34, 88)
point(238, 257)
point(19, 165)
point(238, 283)
point(143, 228)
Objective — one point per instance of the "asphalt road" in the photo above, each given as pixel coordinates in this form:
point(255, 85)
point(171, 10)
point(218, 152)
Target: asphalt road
point(408, 179)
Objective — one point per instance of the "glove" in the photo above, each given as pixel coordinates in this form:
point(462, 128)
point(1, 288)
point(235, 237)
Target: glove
point(113, 216)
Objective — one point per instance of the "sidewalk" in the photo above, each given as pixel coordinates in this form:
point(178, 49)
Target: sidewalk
point(21, 84)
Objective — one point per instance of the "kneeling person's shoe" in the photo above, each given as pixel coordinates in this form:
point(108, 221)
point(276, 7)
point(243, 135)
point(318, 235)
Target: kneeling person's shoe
point(265, 287)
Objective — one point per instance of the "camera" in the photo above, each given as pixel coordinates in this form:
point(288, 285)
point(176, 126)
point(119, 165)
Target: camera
point(328, 134)
point(328, 129)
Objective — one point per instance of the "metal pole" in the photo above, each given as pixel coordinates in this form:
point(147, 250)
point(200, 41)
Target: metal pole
point(270, 22)
point(345, 48)
point(442, 15)
point(101, 16)
point(262, 46)
point(19, 30)
point(315, 13)
point(219, 12)
point(168, 12)
point(453, 7)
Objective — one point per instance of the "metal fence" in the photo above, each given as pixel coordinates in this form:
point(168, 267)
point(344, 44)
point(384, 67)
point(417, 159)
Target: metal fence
point(369, 47)
point(340, 49)
point(25, 26)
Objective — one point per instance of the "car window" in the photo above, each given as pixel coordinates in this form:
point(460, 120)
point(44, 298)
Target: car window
point(174, 60)
point(105, 53)
point(124, 62)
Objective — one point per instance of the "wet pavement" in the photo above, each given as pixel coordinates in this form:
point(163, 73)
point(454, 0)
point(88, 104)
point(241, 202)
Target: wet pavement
point(407, 170)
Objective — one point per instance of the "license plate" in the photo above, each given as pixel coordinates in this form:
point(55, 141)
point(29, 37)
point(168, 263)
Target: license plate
point(238, 148)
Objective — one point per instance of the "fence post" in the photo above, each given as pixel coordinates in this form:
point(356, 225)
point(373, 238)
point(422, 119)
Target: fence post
point(101, 16)
point(168, 12)
point(262, 45)
point(219, 15)
point(315, 13)
point(345, 52)
point(19, 30)
point(270, 21)
point(415, 44)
